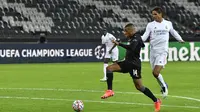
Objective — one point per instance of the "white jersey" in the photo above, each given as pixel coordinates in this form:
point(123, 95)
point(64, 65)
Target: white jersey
point(159, 35)
point(107, 40)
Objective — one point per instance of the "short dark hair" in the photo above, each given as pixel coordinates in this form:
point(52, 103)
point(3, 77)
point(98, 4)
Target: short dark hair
point(129, 25)
point(158, 10)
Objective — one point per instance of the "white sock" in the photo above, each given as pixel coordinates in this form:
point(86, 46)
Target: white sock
point(104, 69)
point(161, 81)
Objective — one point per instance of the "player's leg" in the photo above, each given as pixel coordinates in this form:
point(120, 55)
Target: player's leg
point(156, 72)
point(105, 65)
point(146, 91)
point(110, 69)
point(160, 61)
point(115, 55)
point(106, 60)
point(136, 76)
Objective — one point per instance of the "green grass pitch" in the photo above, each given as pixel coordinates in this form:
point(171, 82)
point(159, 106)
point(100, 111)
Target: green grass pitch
point(54, 87)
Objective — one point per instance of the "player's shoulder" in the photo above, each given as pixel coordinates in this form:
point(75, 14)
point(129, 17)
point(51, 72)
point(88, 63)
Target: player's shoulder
point(151, 24)
point(167, 21)
point(102, 36)
point(109, 34)
point(137, 37)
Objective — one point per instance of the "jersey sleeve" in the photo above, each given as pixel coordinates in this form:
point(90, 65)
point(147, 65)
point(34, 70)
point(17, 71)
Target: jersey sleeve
point(111, 37)
point(174, 33)
point(103, 41)
point(130, 46)
point(146, 33)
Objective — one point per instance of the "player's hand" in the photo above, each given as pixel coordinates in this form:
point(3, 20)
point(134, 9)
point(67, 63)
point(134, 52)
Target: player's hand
point(115, 42)
point(109, 51)
point(181, 41)
point(118, 40)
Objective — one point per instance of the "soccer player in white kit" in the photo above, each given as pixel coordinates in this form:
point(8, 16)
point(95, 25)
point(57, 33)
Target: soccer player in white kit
point(158, 31)
point(111, 51)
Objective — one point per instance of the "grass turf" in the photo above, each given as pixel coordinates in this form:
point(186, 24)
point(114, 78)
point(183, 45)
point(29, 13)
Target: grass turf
point(54, 87)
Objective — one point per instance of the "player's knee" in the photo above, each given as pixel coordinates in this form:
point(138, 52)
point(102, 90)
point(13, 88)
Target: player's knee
point(109, 69)
point(139, 88)
point(155, 74)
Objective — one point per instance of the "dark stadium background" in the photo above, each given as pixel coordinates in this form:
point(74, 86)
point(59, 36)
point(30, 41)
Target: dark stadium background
point(83, 20)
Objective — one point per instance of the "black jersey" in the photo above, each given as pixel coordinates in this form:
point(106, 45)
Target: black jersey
point(133, 48)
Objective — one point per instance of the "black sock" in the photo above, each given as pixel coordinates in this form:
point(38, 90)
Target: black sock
point(148, 93)
point(109, 75)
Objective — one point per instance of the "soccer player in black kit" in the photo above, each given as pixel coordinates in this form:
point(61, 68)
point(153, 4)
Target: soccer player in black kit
point(131, 65)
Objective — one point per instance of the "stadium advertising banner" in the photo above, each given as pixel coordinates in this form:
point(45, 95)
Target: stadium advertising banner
point(85, 52)
point(47, 53)
point(189, 51)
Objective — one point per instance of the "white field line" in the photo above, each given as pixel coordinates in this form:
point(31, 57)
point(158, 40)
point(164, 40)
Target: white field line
point(93, 101)
point(93, 91)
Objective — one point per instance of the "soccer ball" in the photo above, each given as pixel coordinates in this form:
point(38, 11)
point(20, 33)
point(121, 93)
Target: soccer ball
point(78, 105)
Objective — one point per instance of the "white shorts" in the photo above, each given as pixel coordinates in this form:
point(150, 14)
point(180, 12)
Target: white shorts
point(158, 59)
point(114, 55)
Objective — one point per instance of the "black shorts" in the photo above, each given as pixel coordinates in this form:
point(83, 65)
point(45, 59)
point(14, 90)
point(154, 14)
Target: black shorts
point(131, 68)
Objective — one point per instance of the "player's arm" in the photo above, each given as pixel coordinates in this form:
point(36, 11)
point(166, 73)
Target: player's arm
point(175, 34)
point(112, 38)
point(112, 48)
point(131, 46)
point(146, 33)
point(102, 41)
